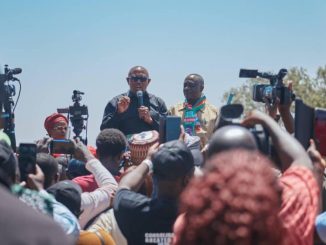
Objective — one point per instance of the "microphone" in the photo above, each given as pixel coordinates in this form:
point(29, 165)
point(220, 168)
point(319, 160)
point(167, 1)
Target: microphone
point(140, 98)
point(15, 71)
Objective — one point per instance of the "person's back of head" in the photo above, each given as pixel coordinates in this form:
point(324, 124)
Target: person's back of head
point(236, 201)
point(69, 194)
point(110, 143)
point(49, 166)
point(8, 164)
point(173, 163)
point(231, 137)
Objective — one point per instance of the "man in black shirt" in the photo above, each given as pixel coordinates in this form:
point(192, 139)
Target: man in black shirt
point(144, 220)
point(134, 112)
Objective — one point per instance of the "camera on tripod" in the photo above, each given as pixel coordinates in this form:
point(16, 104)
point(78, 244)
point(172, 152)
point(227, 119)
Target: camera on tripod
point(77, 114)
point(7, 104)
point(269, 93)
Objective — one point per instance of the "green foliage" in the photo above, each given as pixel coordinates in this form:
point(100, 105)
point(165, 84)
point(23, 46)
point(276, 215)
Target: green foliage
point(312, 90)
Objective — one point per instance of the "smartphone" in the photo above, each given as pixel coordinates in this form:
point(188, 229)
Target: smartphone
point(320, 130)
point(169, 128)
point(62, 147)
point(27, 160)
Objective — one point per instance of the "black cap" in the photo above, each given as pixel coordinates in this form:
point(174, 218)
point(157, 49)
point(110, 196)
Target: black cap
point(172, 161)
point(193, 144)
point(69, 194)
point(76, 168)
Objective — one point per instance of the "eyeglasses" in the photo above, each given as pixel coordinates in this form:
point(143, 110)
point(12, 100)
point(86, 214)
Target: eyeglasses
point(136, 79)
point(60, 128)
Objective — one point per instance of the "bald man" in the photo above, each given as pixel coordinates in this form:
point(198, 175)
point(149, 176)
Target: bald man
point(137, 110)
point(231, 137)
point(198, 116)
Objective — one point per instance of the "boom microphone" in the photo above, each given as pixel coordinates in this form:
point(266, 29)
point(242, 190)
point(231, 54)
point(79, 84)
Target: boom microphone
point(15, 71)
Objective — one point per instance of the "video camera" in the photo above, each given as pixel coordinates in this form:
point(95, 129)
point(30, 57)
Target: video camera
point(77, 114)
point(7, 104)
point(230, 115)
point(269, 93)
point(310, 123)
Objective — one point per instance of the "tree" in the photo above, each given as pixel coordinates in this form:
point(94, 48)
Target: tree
point(312, 90)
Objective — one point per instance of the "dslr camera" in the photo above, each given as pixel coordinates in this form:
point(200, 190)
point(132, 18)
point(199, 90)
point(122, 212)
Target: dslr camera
point(269, 93)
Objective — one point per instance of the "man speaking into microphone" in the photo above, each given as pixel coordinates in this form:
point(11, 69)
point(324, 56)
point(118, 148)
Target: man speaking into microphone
point(137, 110)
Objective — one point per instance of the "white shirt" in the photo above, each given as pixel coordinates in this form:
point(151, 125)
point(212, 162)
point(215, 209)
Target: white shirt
point(97, 201)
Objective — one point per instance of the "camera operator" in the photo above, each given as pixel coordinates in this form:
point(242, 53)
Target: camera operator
point(278, 111)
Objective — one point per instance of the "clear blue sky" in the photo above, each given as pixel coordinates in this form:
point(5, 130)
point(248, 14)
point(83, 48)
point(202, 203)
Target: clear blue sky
point(90, 46)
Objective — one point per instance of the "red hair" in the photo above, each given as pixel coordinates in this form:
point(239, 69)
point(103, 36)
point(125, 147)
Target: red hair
point(236, 201)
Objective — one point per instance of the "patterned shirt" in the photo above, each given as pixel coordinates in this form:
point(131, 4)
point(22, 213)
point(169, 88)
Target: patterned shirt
point(207, 118)
point(299, 208)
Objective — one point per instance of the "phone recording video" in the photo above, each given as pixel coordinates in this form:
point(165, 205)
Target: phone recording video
point(169, 128)
point(27, 160)
point(62, 147)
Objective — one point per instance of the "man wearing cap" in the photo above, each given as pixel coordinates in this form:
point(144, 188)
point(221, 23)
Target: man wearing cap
point(137, 110)
point(69, 194)
point(198, 116)
point(145, 220)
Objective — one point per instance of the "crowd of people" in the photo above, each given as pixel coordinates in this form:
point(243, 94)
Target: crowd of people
point(212, 185)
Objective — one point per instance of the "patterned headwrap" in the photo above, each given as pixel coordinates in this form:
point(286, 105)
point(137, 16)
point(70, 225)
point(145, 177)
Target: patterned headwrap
point(52, 119)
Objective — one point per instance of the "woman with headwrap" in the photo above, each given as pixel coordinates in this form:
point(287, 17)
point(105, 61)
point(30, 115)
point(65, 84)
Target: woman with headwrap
point(56, 125)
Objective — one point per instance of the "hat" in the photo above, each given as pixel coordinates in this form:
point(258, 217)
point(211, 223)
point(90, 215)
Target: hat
point(172, 161)
point(198, 157)
point(193, 144)
point(52, 119)
point(69, 194)
point(99, 237)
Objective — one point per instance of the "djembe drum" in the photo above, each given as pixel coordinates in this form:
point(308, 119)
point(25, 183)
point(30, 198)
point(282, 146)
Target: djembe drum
point(140, 143)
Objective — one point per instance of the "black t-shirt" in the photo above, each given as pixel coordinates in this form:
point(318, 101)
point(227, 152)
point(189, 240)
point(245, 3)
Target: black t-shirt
point(143, 220)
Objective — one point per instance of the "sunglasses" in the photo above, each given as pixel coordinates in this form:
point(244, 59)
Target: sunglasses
point(60, 128)
point(136, 79)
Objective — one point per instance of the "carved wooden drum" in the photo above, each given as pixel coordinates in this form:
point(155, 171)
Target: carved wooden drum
point(140, 143)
